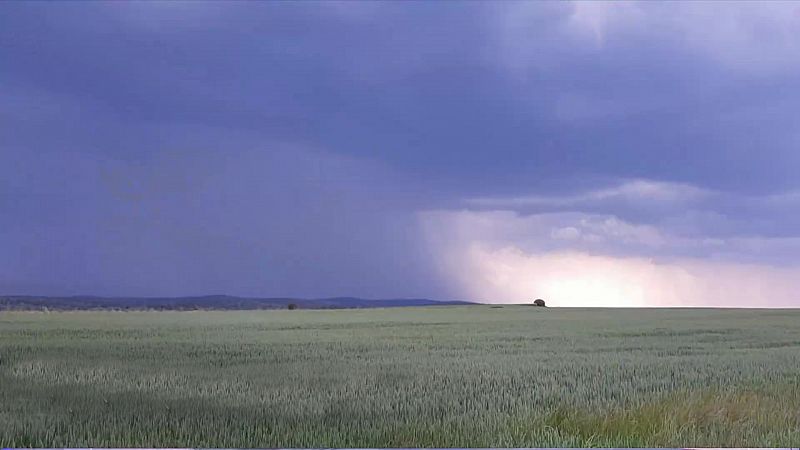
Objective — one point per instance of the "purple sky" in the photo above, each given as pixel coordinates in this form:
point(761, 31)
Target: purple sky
point(587, 153)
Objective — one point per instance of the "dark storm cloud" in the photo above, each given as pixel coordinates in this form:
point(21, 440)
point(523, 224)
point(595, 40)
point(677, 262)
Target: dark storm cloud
point(269, 218)
point(293, 148)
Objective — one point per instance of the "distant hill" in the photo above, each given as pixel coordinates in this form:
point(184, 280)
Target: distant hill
point(207, 302)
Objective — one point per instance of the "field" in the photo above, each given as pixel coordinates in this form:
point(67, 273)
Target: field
point(468, 376)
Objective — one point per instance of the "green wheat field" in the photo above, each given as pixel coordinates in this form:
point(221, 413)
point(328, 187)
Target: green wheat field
point(459, 376)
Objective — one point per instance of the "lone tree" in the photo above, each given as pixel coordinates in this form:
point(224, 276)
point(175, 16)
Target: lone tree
point(292, 306)
point(538, 302)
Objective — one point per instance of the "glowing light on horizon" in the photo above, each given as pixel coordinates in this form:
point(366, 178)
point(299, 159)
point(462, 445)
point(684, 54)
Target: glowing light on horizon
point(502, 257)
point(564, 278)
point(576, 279)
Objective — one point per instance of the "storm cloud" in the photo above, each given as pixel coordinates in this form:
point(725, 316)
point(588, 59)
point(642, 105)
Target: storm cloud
point(620, 153)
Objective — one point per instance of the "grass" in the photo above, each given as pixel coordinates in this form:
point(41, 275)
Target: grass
point(470, 376)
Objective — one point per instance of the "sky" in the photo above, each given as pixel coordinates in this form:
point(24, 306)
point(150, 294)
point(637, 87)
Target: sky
point(587, 153)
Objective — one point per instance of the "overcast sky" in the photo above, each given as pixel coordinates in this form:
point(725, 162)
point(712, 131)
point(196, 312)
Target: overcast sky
point(606, 154)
